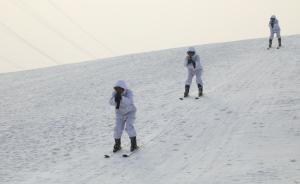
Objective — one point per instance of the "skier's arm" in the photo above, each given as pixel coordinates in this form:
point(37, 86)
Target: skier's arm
point(186, 61)
point(270, 25)
point(112, 99)
point(197, 59)
point(127, 100)
point(198, 62)
point(124, 101)
point(116, 99)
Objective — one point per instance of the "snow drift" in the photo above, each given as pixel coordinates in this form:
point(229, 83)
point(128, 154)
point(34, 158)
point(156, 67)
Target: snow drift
point(56, 124)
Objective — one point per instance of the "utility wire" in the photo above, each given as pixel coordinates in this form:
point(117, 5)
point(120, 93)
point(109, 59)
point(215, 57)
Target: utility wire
point(52, 3)
point(44, 22)
point(53, 60)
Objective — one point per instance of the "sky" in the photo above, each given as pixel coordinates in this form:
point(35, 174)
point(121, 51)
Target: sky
point(42, 33)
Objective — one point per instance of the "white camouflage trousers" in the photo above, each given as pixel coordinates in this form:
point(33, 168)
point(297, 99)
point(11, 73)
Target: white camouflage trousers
point(191, 74)
point(273, 33)
point(124, 121)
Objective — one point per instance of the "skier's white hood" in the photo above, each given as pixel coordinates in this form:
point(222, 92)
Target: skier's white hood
point(121, 83)
point(191, 49)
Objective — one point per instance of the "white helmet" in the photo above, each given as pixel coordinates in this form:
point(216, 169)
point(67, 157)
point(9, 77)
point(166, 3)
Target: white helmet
point(273, 17)
point(191, 49)
point(121, 84)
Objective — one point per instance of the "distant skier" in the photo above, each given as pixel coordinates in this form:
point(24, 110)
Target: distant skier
point(274, 29)
point(194, 67)
point(122, 99)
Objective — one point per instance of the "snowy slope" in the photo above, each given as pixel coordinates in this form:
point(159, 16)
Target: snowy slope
point(55, 123)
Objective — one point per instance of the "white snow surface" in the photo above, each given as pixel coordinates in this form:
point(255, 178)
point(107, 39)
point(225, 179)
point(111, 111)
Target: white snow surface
point(56, 124)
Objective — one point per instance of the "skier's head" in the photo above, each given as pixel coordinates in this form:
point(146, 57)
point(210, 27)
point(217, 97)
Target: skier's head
point(191, 51)
point(273, 17)
point(120, 86)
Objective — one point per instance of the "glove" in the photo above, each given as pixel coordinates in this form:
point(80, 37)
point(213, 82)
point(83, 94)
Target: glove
point(118, 98)
point(272, 22)
point(190, 61)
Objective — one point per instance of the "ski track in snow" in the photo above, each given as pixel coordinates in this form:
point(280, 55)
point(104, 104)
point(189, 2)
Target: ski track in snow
point(56, 124)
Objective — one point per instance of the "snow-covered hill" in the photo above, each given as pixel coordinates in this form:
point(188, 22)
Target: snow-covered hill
point(56, 124)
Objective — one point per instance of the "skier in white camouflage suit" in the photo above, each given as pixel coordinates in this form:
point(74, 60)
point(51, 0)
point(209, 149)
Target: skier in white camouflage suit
point(122, 99)
point(194, 67)
point(274, 29)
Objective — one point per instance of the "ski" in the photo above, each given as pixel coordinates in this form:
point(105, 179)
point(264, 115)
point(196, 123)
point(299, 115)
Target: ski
point(273, 47)
point(182, 98)
point(125, 155)
point(111, 154)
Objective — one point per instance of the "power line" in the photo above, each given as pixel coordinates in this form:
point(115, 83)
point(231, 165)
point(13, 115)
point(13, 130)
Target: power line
point(42, 21)
point(80, 27)
point(28, 43)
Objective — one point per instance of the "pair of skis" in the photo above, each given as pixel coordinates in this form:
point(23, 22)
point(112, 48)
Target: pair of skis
point(271, 47)
point(125, 155)
point(196, 98)
point(182, 98)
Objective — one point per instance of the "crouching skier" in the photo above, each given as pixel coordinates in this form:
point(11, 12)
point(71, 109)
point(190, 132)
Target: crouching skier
point(122, 99)
point(194, 67)
point(274, 29)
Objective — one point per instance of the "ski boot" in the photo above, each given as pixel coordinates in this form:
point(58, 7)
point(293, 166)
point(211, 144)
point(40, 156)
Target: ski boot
point(279, 43)
point(200, 87)
point(133, 144)
point(270, 43)
point(117, 146)
point(186, 92)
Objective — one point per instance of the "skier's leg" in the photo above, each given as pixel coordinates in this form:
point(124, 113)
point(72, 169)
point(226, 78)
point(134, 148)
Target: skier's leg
point(271, 38)
point(279, 38)
point(188, 82)
point(119, 126)
point(199, 81)
point(130, 119)
point(271, 35)
point(131, 130)
point(118, 130)
point(190, 77)
point(199, 77)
